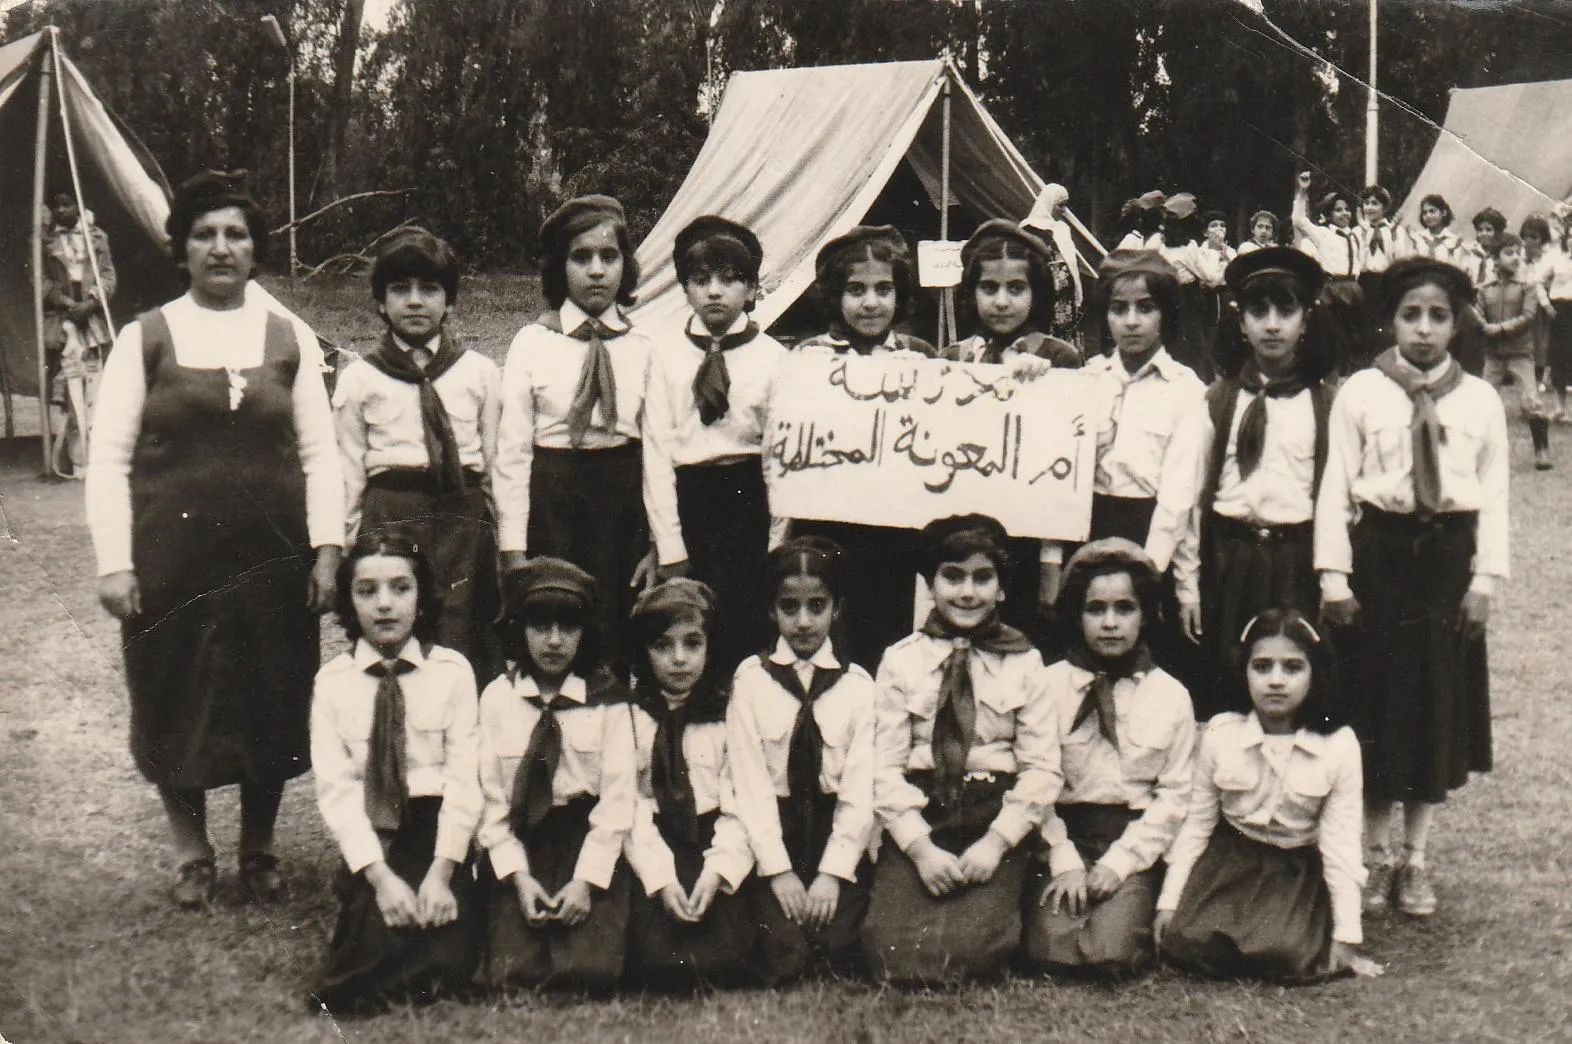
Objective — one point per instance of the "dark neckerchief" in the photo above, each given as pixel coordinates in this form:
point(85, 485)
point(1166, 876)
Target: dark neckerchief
point(955, 716)
point(1222, 399)
point(712, 381)
point(597, 379)
point(537, 772)
point(1251, 442)
point(1426, 429)
point(1099, 698)
point(387, 765)
point(441, 445)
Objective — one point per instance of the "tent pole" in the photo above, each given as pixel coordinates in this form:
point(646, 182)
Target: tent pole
point(947, 296)
point(40, 146)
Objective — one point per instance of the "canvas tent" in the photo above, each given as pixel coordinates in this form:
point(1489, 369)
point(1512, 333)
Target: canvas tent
point(802, 155)
point(56, 136)
point(1508, 147)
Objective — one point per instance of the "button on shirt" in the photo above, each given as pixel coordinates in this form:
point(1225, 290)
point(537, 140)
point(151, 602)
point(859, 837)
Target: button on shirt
point(1370, 460)
point(441, 746)
point(759, 726)
point(1014, 734)
point(1133, 459)
point(675, 435)
point(539, 380)
point(379, 426)
point(1149, 772)
point(1303, 793)
point(704, 748)
point(597, 761)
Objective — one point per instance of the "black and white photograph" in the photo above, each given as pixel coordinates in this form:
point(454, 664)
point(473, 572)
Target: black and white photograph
point(887, 521)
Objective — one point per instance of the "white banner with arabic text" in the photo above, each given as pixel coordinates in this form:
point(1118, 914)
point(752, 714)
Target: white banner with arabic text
point(893, 441)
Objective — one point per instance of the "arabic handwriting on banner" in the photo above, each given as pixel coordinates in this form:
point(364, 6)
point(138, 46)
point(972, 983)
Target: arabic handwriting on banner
point(894, 441)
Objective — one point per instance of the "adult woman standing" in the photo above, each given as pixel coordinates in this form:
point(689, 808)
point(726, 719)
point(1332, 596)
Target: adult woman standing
point(213, 473)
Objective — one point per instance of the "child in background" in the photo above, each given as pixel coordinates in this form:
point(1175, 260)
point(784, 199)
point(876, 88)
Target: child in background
point(1007, 293)
point(1537, 271)
point(799, 739)
point(570, 476)
point(691, 928)
point(1334, 241)
point(1127, 732)
point(1211, 258)
point(1381, 241)
point(1559, 354)
point(867, 278)
point(1263, 880)
point(557, 772)
point(1177, 244)
point(1418, 454)
point(1507, 311)
point(1435, 237)
point(1260, 439)
point(417, 435)
point(707, 412)
point(966, 765)
point(1479, 257)
point(1263, 232)
point(394, 748)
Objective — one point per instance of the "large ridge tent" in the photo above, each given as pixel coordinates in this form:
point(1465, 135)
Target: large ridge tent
point(1508, 147)
point(802, 155)
point(56, 136)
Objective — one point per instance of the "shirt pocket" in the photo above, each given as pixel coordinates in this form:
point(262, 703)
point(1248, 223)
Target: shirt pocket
point(463, 409)
point(1460, 457)
point(997, 705)
point(1388, 447)
point(383, 410)
point(705, 752)
point(427, 722)
point(582, 742)
point(832, 762)
point(1304, 792)
point(1146, 750)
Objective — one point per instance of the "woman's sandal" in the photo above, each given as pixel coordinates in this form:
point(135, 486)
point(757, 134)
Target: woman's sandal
point(195, 884)
point(260, 881)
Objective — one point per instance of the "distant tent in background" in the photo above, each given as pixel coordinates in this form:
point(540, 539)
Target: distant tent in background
point(1508, 147)
point(56, 136)
point(802, 155)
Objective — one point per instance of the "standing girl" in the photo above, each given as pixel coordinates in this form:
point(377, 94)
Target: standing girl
point(1418, 455)
point(1334, 241)
point(1260, 437)
point(557, 775)
point(1127, 733)
point(569, 478)
point(1177, 244)
point(1006, 292)
point(708, 410)
point(1263, 880)
point(966, 765)
point(1263, 232)
point(865, 277)
point(1435, 237)
point(417, 432)
point(800, 746)
point(688, 848)
point(395, 752)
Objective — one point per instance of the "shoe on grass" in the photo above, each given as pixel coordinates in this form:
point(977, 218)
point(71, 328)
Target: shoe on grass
point(1378, 888)
point(1542, 460)
point(196, 882)
point(1416, 897)
point(260, 881)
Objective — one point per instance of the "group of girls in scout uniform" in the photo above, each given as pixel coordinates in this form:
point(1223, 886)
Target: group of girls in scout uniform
point(710, 748)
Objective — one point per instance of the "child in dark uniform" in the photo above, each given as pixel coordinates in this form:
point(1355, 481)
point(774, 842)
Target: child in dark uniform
point(557, 774)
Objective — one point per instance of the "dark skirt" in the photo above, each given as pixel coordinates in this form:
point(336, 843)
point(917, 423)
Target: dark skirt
point(586, 957)
point(880, 575)
point(783, 950)
point(369, 963)
point(1113, 936)
point(587, 506)
point(725, 517)
point(913, 938)
point(1559, 356)
point(1191, 347)
point(1253, 910)
point(1246, 569)
point(1420, 697)
point(457, 534)
point(667, 954)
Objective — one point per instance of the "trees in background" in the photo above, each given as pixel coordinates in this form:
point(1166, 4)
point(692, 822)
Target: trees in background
point(492, 111)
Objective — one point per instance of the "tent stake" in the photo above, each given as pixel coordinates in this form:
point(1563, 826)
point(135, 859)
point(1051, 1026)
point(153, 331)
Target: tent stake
point(39, 148)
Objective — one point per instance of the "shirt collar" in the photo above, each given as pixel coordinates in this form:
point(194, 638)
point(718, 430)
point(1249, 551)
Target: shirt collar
point(365, 654)
point(939, 650)
point(573, 317)
point(1161, 364)
point(1428, 377)
point(697, 328)
point(822, 658)
point(1081, 677)
point(573, 687)
point(1312, 743)
point(404, 346)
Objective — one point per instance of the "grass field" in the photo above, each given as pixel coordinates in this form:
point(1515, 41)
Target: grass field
point(92, 951)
